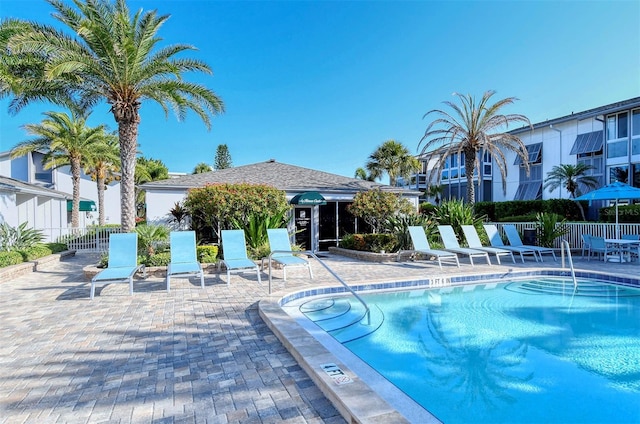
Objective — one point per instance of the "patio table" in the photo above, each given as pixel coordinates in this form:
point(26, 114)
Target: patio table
point(622, 246)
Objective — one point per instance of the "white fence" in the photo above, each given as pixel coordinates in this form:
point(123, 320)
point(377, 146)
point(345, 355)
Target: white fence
point(91, 239)
point(576, 229)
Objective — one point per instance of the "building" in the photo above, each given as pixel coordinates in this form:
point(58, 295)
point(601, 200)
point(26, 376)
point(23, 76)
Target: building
point(28, 169)
point(606, 137)
point(319, 199)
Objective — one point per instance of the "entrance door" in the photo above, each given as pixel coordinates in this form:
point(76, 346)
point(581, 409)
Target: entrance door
point(303, 227)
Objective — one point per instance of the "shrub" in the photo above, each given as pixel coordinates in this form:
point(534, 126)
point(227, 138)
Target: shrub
point(375, 206)
point(487, 209)
point(152, 238)
point(18, 238)
point(369, 242)
point(549, 226)
point(519, 218)
point(34, 252)
point(626, 213)
point(157, 259)
point(399, 227)
point(207, 254)
point(427, 208)
point(10, 258)
point(56, 247)
point(457, 213)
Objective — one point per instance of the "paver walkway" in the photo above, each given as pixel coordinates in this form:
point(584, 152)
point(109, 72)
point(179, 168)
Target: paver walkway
point(192, 356)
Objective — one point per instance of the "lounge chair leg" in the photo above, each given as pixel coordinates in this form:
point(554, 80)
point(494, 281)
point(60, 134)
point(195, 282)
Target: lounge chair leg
point(131, 285)
point(93, 289)
point(168, 283)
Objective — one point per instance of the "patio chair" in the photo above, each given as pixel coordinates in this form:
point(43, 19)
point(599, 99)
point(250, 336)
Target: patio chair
point(234, 251)
point(421, 246)
point(586, 244)
point(599, 246)
point(473, 241)
point(514, 240)
point(184, 260)
point(496, 241)
point(123, 261)
point(451, 244)
point(632, 249)
point(281, 251)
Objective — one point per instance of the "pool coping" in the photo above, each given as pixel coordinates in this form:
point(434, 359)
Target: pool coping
point(357, 402)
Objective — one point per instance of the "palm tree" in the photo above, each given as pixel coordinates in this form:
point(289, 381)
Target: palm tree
point(66, 139)
point(103, 165)
point(571, 177)
point(435, 191)
point(361, 174)
point(393, 158)
point(202, 168)
point(112, 56)
point(473, 128)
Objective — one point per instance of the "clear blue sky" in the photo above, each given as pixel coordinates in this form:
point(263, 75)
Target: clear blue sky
point(321, 84)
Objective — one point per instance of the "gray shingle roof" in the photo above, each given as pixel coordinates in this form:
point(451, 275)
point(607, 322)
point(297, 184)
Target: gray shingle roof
point(279, 175)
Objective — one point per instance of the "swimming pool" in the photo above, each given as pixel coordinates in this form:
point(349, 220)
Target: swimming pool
point(521, 351)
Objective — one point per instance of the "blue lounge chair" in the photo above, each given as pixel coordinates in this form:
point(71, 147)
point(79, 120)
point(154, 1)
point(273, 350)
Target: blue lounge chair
point(515, 240)
point(123, 262)
point(184, 260)
point(234, 251)
point(281, 251)
point(473, 241)
point(496, 241)
point(421, 245)
point(451, 244)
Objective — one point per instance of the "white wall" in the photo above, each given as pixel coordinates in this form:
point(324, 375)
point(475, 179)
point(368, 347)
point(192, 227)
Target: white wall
point(8, 210)
point(554, 153)
point(159, 203)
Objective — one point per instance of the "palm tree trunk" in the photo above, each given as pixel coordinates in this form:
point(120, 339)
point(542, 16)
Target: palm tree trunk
point(469, 167)
point(101, 185)
point(128, 133)
point(75, 180)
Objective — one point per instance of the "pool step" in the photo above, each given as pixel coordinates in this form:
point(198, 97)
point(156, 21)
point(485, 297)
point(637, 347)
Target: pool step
point(565, 286)
point(344, 318)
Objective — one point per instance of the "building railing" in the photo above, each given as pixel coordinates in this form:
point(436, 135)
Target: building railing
point(90, 239)
point(577, 229)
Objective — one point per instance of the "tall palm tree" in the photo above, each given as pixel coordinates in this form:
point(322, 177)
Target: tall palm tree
point(472, 128)
point(66, 139)
point(361, 174)
point(112, 56)
point(572, 178)
point(103, 165)
point(394, 159)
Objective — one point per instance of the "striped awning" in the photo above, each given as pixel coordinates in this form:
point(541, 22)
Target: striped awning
point(588, 143)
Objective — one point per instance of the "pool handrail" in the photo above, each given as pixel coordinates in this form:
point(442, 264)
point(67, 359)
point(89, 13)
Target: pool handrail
point(565, 244)
point(367, 312)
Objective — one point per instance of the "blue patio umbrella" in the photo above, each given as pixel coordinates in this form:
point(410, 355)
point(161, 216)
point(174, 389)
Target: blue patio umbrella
point(614, 191)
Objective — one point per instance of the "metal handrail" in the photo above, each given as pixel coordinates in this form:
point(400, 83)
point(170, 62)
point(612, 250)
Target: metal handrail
point(564, 244)
point(340, 280)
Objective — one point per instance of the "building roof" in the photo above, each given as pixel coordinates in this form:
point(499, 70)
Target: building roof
point(282, 176)
point(13, 185)
point(590, 113)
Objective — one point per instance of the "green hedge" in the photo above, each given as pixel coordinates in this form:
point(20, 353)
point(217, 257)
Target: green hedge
point(369, 242)
point(35, 252)
point(514, 210)
point(207, 254)
point(10, 258)
point(626, 213)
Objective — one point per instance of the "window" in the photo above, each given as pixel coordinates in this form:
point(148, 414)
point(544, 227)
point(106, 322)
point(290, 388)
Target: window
point(617, 149)
point(535, 154)
point(635, 180)
point(619, 173)
point(618, 126)
point(635, 132)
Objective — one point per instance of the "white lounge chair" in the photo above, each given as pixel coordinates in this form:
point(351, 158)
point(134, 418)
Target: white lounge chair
point(473, 241)
point(184, 260)
point(234, 251)
point(514, 240)
point(496, 241)
point(282, 253)
point(123, 261)
point(451, 244)
point(421, 245)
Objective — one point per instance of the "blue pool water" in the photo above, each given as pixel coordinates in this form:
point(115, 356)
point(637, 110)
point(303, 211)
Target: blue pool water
point(523, 351)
